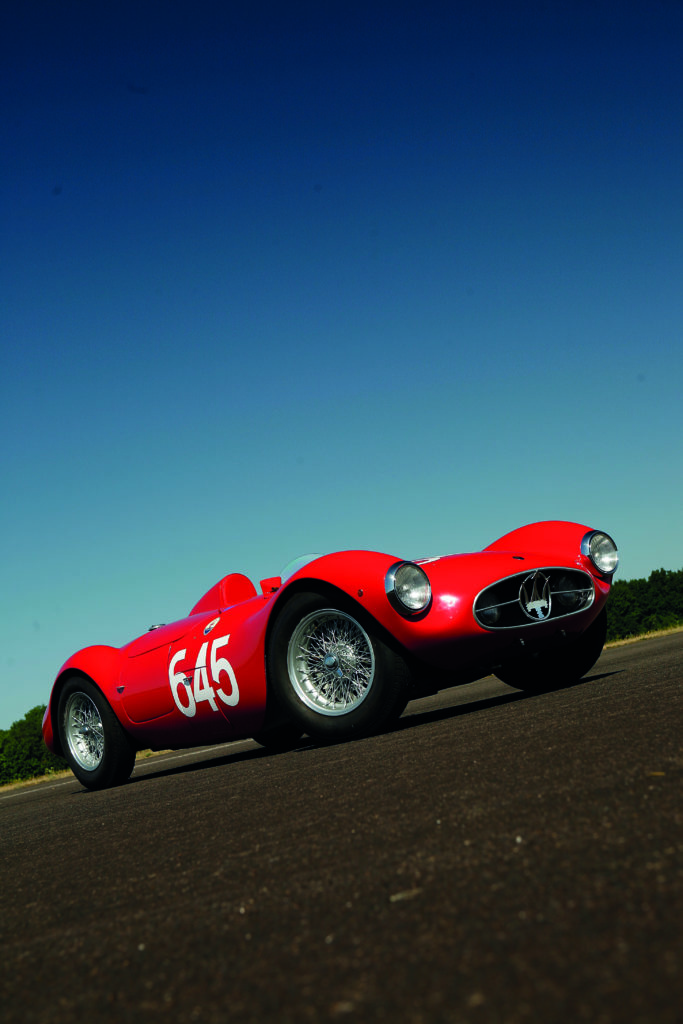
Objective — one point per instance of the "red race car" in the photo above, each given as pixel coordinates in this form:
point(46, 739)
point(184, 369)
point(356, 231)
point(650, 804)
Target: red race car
point(336, 648)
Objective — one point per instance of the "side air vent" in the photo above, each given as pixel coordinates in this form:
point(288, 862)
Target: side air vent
point(532, 597)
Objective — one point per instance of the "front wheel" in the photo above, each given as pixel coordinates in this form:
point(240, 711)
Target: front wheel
point(331, 671)
point(93, 741)
point(565, 665)
point(279, 738)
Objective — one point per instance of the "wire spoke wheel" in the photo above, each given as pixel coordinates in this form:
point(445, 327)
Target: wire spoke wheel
point(330, 671)
point(331, 662)
point(92, 739)
point(84, 731)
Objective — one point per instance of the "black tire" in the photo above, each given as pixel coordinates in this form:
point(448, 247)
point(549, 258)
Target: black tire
point(331, 672)
point(279, 738)
point(561, 667)
point(99, 752)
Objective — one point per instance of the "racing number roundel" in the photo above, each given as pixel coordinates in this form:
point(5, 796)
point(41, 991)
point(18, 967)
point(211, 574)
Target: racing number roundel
point(190, 690)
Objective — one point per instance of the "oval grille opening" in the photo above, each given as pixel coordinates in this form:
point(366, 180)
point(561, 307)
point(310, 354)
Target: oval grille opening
point(531, 597)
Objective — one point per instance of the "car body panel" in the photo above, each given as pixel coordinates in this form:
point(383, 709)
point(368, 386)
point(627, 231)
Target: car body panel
point(204, 678)
point(546, 536)
point(449, 635)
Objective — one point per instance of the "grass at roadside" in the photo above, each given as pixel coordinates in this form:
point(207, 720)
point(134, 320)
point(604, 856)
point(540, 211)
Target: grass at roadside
point(56, 776)
point(644, 636)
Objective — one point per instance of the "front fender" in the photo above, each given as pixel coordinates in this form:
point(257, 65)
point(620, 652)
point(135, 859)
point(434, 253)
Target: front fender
point(356, 576)
point(552, 535)
point(447, 636)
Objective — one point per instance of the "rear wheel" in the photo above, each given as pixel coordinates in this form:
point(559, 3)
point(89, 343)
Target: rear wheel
point(94, 743)
point(331, 671)
point(567, 664)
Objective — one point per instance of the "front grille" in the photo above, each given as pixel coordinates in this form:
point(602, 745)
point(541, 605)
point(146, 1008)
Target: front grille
point(528, 598)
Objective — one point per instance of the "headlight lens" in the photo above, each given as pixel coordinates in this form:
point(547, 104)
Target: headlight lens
point(601, 550)
point(408, 587)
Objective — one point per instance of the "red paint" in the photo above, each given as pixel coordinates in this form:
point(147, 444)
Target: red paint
point(185, 684)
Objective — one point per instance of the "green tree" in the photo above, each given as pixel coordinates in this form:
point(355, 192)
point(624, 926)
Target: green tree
point(641, 606)
point(23, 755)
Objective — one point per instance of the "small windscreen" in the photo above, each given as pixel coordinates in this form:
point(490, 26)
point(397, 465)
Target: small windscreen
point(296, 564)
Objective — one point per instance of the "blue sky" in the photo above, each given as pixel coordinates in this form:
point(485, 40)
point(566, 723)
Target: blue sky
point(282, 278)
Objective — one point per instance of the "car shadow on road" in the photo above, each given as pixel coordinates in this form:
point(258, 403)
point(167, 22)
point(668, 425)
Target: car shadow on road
point(409, 720)
point(203, 763)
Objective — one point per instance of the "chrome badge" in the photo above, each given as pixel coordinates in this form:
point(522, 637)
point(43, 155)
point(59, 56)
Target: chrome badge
point(534, 596)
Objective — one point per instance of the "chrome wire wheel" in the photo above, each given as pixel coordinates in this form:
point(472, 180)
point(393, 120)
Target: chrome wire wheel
point(330, 662)
point(84, 731)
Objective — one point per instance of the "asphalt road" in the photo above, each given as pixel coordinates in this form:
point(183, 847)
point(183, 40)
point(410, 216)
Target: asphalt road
point(496, 858)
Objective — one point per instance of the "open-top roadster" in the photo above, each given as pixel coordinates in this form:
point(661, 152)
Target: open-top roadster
point(336, 648)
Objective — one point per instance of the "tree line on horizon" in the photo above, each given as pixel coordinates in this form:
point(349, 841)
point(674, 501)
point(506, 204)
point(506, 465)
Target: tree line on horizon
point(643, 606)
point(635, 607)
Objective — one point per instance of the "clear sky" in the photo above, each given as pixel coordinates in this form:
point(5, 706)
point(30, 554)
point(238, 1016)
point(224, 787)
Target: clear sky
point(292, 277)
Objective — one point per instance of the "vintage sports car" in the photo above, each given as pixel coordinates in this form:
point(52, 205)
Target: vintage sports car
point(336, 647)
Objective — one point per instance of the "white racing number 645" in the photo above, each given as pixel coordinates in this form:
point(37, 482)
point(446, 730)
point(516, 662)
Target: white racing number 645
point(189, 692)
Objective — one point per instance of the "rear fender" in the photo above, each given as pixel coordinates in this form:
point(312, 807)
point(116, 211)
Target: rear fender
point(102, 666)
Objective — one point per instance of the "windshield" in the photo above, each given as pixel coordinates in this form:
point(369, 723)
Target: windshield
point(296, 564)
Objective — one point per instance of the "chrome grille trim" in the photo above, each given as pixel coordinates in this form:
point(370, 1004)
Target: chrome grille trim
point(499, 605)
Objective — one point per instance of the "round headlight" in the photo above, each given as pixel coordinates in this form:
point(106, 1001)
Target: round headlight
point(408, 587)
point(601, 550)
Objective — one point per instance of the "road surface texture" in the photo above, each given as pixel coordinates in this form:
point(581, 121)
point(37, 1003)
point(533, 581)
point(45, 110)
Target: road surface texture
point(498, 857)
